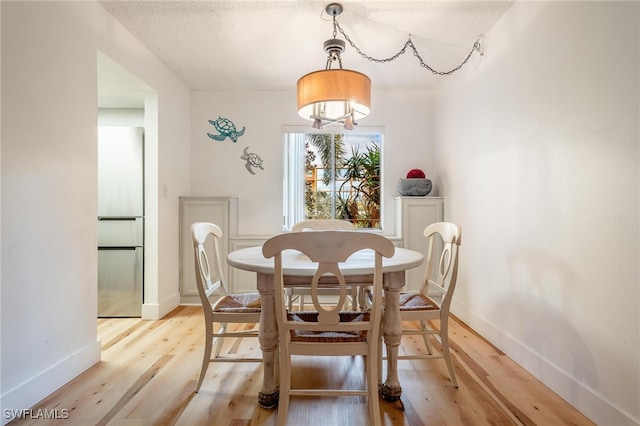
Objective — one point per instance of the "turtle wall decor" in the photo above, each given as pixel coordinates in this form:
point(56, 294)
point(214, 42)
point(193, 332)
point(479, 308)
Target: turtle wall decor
point(252, 159)
point(226, 128)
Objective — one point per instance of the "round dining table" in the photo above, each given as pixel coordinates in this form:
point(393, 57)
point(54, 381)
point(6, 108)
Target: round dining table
point(298, 269)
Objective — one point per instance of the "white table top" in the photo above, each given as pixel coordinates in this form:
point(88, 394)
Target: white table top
point(296, 263)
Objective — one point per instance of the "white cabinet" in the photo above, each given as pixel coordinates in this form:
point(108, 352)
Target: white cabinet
point(413, 215)
point(200, 209)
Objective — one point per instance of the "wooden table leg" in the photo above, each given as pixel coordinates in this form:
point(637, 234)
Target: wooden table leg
point(390, 390)
point(268, 337)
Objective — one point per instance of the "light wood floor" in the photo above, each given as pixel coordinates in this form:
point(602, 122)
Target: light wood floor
point(149, 370)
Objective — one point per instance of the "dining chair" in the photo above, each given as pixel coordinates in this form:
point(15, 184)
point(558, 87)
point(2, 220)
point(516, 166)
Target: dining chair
point(328, 331)
point(433, 300)
point(229, 308)
point(300, 293)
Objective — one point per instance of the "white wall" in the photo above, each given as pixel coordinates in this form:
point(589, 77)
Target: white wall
point(217, 169)
point(543, 176)
point(49, 187)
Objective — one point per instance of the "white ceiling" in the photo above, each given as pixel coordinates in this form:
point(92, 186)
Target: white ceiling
point(268, 45)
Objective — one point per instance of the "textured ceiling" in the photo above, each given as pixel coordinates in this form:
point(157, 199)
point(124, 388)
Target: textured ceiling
point(268, 45)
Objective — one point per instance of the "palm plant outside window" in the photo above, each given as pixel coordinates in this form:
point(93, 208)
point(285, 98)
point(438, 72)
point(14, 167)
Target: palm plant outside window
point(333, 176)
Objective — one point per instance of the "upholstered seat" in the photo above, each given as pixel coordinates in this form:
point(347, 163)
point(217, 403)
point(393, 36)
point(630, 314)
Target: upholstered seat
point(326, 336)
point(416, 302)
point(241, 303)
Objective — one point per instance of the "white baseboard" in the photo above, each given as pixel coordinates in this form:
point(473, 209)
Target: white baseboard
point(35, 389)
point(154, 311)
point(585, 400)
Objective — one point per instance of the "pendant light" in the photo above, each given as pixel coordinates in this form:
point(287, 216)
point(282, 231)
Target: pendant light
point(344, 96)
point(334, 95)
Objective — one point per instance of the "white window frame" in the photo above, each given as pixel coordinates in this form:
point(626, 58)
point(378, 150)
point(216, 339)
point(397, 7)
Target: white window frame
point(292, 186)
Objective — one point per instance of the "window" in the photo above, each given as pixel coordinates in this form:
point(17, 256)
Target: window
point(333, 175)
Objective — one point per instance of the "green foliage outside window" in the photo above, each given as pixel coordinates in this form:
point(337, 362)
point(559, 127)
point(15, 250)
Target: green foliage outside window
point(354, 180)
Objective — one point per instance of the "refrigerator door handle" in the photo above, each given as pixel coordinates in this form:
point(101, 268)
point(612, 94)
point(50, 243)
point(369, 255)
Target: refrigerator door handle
point(130, 218)
point(118, 248)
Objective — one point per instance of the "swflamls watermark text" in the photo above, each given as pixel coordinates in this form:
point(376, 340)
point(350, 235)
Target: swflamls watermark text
point(42, 413)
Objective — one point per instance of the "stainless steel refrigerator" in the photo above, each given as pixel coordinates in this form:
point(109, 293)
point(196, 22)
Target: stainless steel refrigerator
point(120, 221)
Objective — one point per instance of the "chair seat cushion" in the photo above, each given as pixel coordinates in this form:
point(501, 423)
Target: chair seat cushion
point(416, 302)
point(328, 336)
point(240, 303)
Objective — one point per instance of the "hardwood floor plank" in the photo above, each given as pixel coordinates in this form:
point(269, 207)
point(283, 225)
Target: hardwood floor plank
point(137, 386)
point(149, 368)
point(517, 389)
point(178, 404)
point(106, 344)
point(406, 413)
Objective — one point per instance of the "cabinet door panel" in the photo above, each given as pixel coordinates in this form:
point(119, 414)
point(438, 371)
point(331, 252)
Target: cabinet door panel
point(416, 213)
point(244, 281)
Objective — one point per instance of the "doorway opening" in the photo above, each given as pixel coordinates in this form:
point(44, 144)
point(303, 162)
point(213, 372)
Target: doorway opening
point(126, 101)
